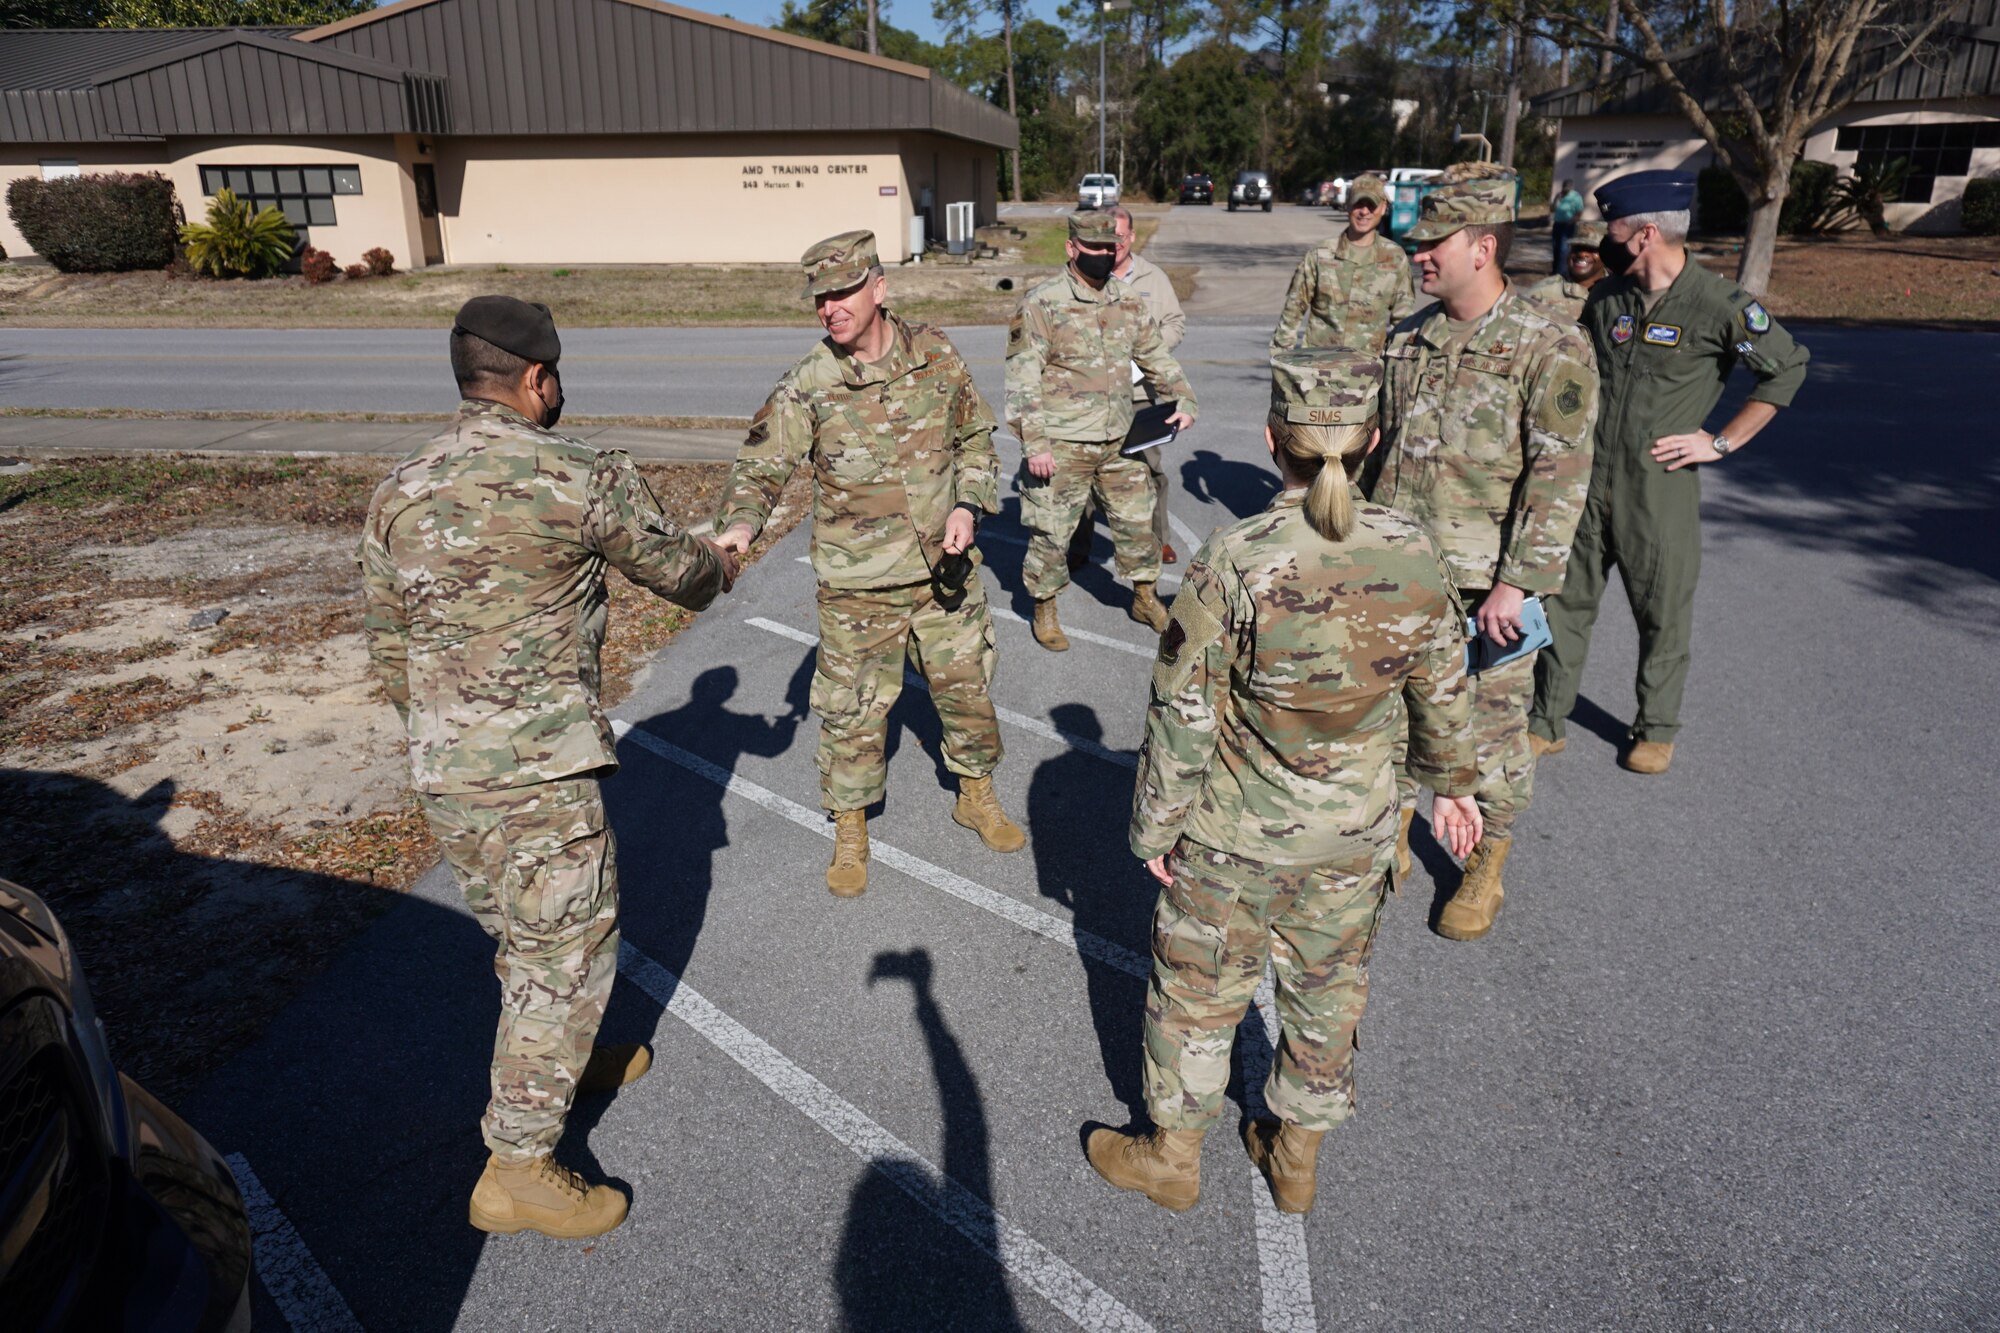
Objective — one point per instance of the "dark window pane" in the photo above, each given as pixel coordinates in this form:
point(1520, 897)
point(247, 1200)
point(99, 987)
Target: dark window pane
point(1929, 136)
point(1903, 136)
point(295, 211)
point(319, 212)
point(318, 180)
point(263, 180)
point(239, 181)
point(1986, 135)
point(212, 179)
point(347, 180)
point(1958, 135)
point(1848, 139)
point(1917, 189)
point(1955, 162)
point(288, 181)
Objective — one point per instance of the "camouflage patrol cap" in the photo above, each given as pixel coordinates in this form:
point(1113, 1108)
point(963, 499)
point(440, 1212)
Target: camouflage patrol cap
point(525, 328)
point(1096, 227)
point(1589, 235)
point(839, 263)
point(1466, 204)
point(1370, 186)
point(1325, 386)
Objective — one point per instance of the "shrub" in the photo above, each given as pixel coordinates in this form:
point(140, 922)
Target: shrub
point(1980, 210)
point(106, 222)
point(380, 262)
point(236, 243)
point(1721, 208)
point(356, 272)
point(316, 265)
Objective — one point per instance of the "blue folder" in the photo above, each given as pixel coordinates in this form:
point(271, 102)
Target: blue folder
point(1481, 652)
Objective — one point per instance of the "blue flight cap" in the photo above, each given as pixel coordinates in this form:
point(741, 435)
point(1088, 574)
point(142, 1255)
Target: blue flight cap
point(1645, 192)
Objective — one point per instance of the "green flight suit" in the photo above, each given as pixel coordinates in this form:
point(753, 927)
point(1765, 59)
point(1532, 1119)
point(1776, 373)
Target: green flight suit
point(1661, 373)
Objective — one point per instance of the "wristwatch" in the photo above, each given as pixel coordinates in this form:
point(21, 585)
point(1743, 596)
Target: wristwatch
point(1721, 444)
point(973, 510)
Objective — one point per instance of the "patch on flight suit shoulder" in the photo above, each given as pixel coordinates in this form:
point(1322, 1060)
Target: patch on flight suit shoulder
point(1188, 635)
point(1756, 318)
point(1017, 336)
point(1621, 329)
point(1663, 335)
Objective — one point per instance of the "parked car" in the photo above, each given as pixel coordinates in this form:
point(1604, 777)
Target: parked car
point(1197, 188)
point(113, 1213)
point(1407, 188)
point(1097, 191)
point(1251, 189)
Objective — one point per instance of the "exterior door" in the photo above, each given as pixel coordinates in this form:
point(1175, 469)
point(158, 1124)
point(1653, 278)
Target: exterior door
point(427, 212)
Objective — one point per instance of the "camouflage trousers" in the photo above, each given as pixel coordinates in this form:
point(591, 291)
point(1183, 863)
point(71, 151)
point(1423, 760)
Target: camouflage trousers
point(539, 870)
point(1501, 697)
point(1122, 487)
point(864, 634)
point(1212, 932)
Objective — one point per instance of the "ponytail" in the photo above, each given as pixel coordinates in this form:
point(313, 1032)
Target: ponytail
point(1327, 459)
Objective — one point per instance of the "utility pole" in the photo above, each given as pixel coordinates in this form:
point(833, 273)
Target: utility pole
point(1104, 7)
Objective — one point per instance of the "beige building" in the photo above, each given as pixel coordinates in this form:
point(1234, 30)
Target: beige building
point(515, 131)
point(1940, 115)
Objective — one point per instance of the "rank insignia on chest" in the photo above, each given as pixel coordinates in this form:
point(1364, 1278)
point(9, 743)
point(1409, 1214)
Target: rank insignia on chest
point(1664, 335)
point(1756, 318)
point(1172, 642)
point(1621, 330)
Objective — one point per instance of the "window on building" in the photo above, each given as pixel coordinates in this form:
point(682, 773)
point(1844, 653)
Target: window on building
point(1942, 148)
point(304, 195)
point(59, 168)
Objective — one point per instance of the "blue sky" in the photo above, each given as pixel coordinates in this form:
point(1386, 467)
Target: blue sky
point(915, 15)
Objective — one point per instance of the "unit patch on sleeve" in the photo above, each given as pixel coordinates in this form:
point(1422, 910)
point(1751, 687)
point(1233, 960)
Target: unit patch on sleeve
point(1756, 318)
point(1663, 335)
point(1569, 399)
point(1621, 330)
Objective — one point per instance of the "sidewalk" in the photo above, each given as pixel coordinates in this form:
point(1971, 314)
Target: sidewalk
point(92, 435)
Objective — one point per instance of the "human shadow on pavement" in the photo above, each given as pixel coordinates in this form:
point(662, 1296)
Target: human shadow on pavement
point(899, 1267)
point(358, 1105)
point(1241, 488)
point(674, 831)
point(1079, 807)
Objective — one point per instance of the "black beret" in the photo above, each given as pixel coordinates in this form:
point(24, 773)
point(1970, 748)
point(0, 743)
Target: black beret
point(525, 328)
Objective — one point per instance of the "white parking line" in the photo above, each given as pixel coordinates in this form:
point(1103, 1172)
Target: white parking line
point(305, 1294)
point(1185, 533)
point(1103, 640)
point(1007, 715)
point(1082, 1301)
point(815, 821)
point(1283, 1270)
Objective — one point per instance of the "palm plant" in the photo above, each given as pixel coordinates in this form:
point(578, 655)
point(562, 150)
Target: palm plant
point(1867, 194)
point(236, 242)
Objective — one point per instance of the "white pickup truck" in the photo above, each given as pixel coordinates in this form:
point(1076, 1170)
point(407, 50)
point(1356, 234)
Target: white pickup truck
point(1097, 191)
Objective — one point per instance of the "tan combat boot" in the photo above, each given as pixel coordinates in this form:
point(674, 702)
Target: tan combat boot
point(1403, 862)
point(1471, 910)
point(1049, 630)
point(1541, 745)
point(979, 809)
point(612, 1067)
point(1164, 1165)
point(847, 876)
point(1288, 1157)
point(1648, 757)
point(540, 1195)
point(1146, 608)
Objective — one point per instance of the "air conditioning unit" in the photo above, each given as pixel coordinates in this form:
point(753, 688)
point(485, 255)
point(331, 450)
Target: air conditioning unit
point(958, 228)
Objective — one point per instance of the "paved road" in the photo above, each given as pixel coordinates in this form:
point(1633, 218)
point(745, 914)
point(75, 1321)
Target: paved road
point(1727, 1061)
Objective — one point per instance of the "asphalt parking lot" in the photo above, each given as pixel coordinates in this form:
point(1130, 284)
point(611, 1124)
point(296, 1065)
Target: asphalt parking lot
point(1726, 1061)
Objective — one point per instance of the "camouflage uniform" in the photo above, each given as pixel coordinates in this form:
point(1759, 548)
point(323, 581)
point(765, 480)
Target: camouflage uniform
point(895, 446)
point(1280, 692)
point(1559, 291)
point(1486, 441)
point(483, 561)
point(1348, 295)
point(1070, 351)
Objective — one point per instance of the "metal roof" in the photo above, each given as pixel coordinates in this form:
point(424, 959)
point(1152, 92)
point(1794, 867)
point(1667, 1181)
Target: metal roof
point(1966, 64)
point(643, 67)
point(528, 67)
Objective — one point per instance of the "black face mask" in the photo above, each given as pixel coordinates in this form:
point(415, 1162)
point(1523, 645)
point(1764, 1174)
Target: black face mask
point(1616, 256)
point(1096, 264)
point(555, 413)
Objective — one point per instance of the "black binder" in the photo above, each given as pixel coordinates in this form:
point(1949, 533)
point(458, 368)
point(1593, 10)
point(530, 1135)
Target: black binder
point(1150, 429)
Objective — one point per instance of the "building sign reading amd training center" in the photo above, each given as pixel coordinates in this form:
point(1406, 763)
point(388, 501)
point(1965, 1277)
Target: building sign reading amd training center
point(796, 175)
